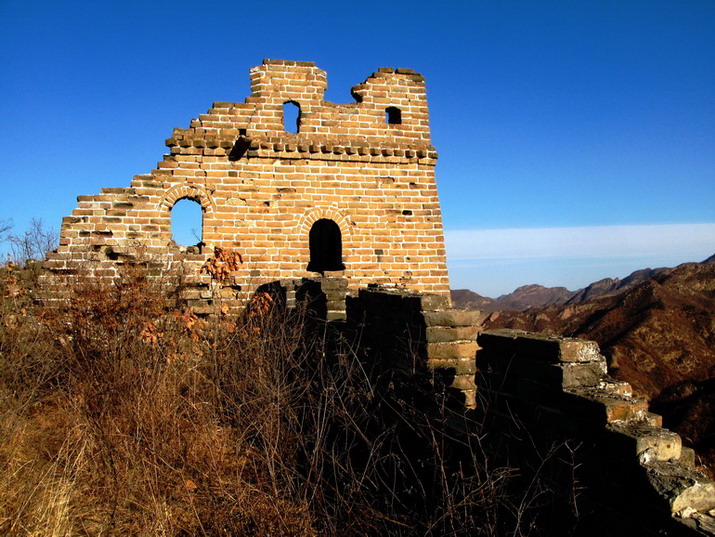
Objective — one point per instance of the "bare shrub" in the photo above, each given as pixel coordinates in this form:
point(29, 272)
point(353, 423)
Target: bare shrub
point(5, 227)
point(127, 438)
point(33, 245)
point(126, 414)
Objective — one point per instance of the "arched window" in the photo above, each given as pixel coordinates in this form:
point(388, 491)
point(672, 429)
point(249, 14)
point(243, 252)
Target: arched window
point(187, 218)
point(326, 246)
point(393, 115)
point(291, 117)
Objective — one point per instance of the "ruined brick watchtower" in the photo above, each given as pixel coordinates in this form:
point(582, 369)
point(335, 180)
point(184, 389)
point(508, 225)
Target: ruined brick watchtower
point(350, 192)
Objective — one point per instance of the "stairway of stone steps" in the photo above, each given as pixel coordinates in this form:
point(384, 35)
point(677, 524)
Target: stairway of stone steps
point(565, 380)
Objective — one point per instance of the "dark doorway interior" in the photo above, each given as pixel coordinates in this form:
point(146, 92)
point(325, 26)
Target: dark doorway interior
point(326, 247)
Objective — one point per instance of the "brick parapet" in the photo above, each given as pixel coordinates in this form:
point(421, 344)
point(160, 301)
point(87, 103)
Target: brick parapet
point(275, 83)
point(296, 146)
point(630, 468)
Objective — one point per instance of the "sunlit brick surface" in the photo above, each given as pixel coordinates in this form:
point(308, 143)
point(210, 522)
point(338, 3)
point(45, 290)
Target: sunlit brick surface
point(262, 188)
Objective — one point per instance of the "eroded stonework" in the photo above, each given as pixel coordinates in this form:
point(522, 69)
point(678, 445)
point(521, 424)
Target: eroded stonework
point(367, 167)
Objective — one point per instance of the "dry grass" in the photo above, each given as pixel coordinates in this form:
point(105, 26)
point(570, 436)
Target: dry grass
point(124, 414)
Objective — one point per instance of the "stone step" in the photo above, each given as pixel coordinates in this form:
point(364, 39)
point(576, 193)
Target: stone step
point(556, 375)
point(656, 420)
point(681, 487)
point(553, 349)
point(452, 317)
point(602, 407)
point(687, 456)
point(616, 387)
point(648, 442)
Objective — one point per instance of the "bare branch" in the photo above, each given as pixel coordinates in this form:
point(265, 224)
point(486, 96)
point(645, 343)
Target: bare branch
point(34, 244)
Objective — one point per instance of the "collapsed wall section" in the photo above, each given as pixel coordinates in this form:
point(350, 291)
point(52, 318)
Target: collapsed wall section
point(352, 192)
point(628, 475)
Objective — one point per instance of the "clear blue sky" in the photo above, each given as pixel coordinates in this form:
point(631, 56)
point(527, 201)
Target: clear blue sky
point(555, 115)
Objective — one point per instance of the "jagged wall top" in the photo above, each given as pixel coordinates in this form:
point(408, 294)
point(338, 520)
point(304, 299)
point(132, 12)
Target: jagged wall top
point(361, 123)
point(269, 193)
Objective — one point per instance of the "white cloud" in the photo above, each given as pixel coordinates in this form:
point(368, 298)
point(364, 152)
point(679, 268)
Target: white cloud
point(689, 241)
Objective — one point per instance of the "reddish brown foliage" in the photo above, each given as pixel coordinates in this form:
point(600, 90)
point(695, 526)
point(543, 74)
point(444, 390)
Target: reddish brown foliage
point(222, 264)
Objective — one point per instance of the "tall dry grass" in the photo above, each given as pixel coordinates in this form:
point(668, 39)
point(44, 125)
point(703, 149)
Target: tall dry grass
point(125, 414)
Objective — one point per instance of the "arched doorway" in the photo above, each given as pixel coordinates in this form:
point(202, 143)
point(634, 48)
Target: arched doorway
point(326, 246)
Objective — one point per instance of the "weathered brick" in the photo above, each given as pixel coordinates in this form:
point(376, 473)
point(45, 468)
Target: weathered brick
point(459, 366)
point(544, 347)
point(453, 350)
point(262, 189)
point(639, 438)
point(602, 408)
point(452, 318)
point(437, 334)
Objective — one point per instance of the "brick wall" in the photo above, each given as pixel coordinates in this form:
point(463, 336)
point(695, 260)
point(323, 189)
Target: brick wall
point(420, 337)
point(262, 188)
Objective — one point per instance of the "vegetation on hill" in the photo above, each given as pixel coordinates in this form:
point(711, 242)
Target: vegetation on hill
point(520, 299)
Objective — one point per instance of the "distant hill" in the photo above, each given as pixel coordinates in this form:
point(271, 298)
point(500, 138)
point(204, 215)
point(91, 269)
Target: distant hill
point(657, 332)
point(522, 298)
point(527, 296)
point(610, 286)
point(466, 299)
point(531, 295)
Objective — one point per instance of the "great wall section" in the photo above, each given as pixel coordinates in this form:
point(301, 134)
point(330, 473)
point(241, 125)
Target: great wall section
point(345, 211)
point(352, 192)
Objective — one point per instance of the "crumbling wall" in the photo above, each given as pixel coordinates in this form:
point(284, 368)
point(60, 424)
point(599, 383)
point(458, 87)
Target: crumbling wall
point(420, 338)
point(261, 189)
point(597, 461)
point(631, 476)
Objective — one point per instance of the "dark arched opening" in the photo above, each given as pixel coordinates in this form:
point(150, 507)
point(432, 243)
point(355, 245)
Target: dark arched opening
point(326, 246)
point(393, 115)
point(291, 117)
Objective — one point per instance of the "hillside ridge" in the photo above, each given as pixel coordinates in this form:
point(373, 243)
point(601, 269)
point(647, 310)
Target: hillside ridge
point(657, 334)
point(530, 295)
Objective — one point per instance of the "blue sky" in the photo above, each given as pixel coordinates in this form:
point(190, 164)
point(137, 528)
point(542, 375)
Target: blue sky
point(567, 116)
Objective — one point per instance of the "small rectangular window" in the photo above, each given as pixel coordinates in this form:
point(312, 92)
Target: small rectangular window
point(393, 115)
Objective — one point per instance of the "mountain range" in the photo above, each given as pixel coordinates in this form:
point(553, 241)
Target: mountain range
point(657, 330)
point(527, 296)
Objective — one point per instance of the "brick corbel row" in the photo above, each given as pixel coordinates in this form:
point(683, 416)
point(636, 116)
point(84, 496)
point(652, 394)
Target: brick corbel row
point(269, 146)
